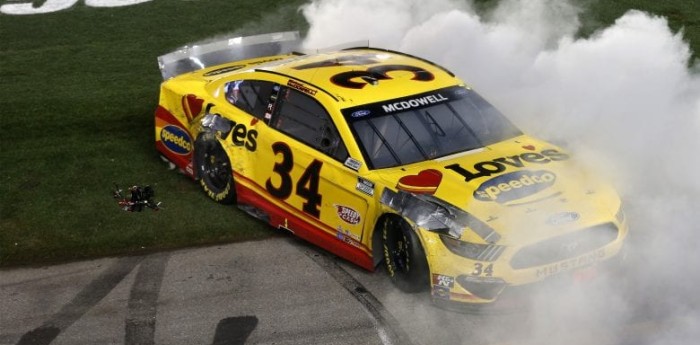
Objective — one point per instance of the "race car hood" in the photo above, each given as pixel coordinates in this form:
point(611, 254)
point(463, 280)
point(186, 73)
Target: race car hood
point(524, 190)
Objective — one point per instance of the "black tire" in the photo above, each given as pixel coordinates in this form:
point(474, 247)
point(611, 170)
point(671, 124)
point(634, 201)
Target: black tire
point(214, 170)
point(404, 257)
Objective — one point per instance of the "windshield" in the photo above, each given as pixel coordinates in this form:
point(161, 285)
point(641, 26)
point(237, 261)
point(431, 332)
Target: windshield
point(426, 126)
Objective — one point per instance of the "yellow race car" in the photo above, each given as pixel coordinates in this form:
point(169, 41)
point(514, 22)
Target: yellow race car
point(379, 156)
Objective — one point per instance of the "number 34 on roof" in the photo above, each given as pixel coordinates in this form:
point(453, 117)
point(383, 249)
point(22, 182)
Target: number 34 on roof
point(24, 7)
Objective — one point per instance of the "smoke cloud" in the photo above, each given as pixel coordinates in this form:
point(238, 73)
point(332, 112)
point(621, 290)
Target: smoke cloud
point(625, 101)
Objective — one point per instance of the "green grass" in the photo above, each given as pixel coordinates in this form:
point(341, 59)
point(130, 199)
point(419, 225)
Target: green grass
point(79, 91)
point(681, 15)
point(79, 88)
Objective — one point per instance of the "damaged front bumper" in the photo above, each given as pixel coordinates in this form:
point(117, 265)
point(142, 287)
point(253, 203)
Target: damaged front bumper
point(482, 274)
point(473, 285)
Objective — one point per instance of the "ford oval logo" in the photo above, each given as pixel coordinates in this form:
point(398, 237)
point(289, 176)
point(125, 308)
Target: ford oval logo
point(515, 185)
point(563, 217)
point(360, 113)
point(176, 139)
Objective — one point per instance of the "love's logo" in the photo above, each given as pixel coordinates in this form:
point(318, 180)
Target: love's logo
point(426, 182)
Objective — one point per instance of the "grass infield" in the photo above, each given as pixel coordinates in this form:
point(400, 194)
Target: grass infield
point(79, 88)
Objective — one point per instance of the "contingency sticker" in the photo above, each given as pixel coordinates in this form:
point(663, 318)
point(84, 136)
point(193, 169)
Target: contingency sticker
point(365, 186)
point(347, 214)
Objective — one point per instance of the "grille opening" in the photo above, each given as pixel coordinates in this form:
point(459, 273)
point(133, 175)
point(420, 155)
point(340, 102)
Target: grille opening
point(565, 246)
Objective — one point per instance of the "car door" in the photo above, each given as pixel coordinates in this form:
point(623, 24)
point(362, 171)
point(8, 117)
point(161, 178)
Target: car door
point(309, 172)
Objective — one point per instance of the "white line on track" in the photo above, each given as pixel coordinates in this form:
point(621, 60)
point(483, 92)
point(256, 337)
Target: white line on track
point(388, 328)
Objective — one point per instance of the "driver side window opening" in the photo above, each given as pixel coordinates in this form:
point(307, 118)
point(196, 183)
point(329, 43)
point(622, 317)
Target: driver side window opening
point(304, 119)
point(251, 96)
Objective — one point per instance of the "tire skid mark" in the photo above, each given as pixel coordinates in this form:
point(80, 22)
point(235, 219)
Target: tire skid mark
point(140, 324)
point(87, 298)
point(388, 328)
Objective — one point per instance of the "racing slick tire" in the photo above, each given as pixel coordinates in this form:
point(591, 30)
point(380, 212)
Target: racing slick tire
point(214, 169)
point(404, 257)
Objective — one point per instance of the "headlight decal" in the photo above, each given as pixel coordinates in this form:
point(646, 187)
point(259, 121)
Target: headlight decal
point(474, 251)
point(491, 252)
point(484, 231)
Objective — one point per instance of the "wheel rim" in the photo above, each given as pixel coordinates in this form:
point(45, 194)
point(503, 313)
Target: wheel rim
point(400, 254)
point(216, 168)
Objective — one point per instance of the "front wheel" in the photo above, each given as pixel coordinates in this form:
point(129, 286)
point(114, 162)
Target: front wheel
point(404, 258)
point(214, 171)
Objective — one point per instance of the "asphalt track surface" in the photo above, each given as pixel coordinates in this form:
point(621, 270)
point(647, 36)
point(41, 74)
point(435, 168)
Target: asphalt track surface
point(276, 291)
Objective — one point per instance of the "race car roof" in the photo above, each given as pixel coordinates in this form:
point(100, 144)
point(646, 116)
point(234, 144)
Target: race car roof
point(363, 75)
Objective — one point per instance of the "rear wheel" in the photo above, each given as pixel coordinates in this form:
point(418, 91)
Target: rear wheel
point(404, 257)
point(214, 171)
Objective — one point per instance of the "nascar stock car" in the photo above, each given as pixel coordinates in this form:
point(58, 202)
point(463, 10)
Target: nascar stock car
point(381, 157)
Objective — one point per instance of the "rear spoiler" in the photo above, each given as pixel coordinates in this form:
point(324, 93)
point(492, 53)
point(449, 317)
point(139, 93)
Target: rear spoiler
point(228, 49)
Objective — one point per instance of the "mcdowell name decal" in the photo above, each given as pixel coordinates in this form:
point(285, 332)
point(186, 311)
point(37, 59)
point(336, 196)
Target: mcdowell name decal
point(301, 87)
point(414, 103)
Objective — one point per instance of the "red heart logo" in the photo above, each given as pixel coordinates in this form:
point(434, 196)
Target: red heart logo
point(426, 182)
point(192, 106)
point(529, 147)
point(254, 121)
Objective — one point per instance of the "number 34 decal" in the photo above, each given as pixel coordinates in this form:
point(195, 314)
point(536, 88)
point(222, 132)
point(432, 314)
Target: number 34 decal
point(481, 270)
point(307, 185)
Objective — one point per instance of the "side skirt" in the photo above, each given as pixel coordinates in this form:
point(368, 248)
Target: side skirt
point(280, 216)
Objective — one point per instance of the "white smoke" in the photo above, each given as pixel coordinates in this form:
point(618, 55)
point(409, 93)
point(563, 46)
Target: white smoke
point(625, 100)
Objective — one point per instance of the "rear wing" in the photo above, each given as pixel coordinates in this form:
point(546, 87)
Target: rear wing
point(228, 49)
